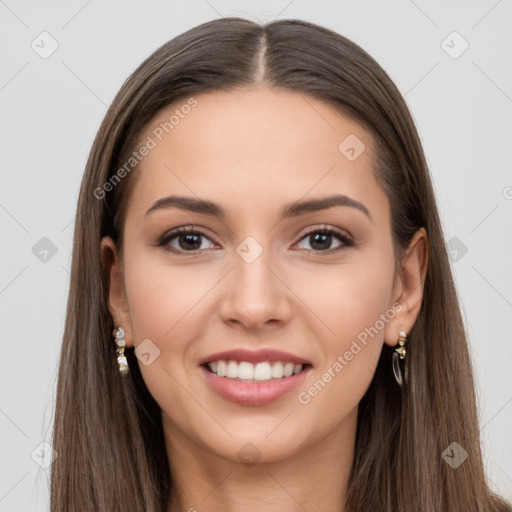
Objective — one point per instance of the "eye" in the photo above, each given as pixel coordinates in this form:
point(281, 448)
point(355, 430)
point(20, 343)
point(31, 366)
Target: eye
point(185, 240)
point(190, 240)
point(321, 240)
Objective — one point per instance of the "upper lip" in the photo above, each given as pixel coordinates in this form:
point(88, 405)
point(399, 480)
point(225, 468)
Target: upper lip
point(254, 356)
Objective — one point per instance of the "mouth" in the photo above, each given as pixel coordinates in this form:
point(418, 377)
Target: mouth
point(251, 384)
point(264, 371)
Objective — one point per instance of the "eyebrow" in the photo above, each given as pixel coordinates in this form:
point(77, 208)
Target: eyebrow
point(290, 210)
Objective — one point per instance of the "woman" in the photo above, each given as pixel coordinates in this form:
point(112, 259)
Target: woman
point(262, 312)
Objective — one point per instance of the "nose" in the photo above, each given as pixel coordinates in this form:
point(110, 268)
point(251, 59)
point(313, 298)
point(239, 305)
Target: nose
point(255, 295)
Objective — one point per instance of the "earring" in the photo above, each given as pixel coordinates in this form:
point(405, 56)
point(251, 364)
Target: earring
point(398, 354)
point(121, 345)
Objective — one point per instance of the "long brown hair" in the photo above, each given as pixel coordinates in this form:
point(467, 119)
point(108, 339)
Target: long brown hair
point(108, 432)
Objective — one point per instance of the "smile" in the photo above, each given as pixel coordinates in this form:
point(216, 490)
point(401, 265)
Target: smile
point(248, 372)
point(253, 391)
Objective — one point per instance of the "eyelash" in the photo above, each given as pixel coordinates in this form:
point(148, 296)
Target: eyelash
point(165, 239)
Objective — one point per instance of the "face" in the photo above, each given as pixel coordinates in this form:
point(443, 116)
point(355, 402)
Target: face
point(257, 273)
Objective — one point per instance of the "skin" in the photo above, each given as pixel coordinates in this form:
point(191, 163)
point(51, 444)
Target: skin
point(253, 151)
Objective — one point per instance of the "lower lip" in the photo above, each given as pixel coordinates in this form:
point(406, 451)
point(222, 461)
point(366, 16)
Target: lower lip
point(254, 393)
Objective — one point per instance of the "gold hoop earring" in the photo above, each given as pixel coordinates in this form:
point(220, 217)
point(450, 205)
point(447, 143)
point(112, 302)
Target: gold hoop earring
point(399, 354)
point(121, 345)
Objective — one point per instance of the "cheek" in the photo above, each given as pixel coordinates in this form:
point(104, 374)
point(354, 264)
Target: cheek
point(340, 307)
point(351, 358)
point(164, 307)
point(358, 309)
point(163, 303)
point(339, 302)
point(362, 300)
point(352, 298)
point(161, 296)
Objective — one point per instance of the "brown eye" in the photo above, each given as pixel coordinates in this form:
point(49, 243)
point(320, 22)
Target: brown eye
point(321, 240)
point(185, 240)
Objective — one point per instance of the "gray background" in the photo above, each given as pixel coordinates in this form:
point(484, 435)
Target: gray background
point(51, 108)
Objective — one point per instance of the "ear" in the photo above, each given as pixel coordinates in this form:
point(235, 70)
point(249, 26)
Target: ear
point(408, 287)
point(117, 303)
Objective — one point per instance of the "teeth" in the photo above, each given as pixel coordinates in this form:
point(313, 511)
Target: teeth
point(245, 371)
point(277, 370)
point(288, 369)
point(221, 368)
point(264, 371)
point(232, 370)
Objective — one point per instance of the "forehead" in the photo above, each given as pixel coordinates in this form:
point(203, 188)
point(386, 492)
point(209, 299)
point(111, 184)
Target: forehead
point(255, 149)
